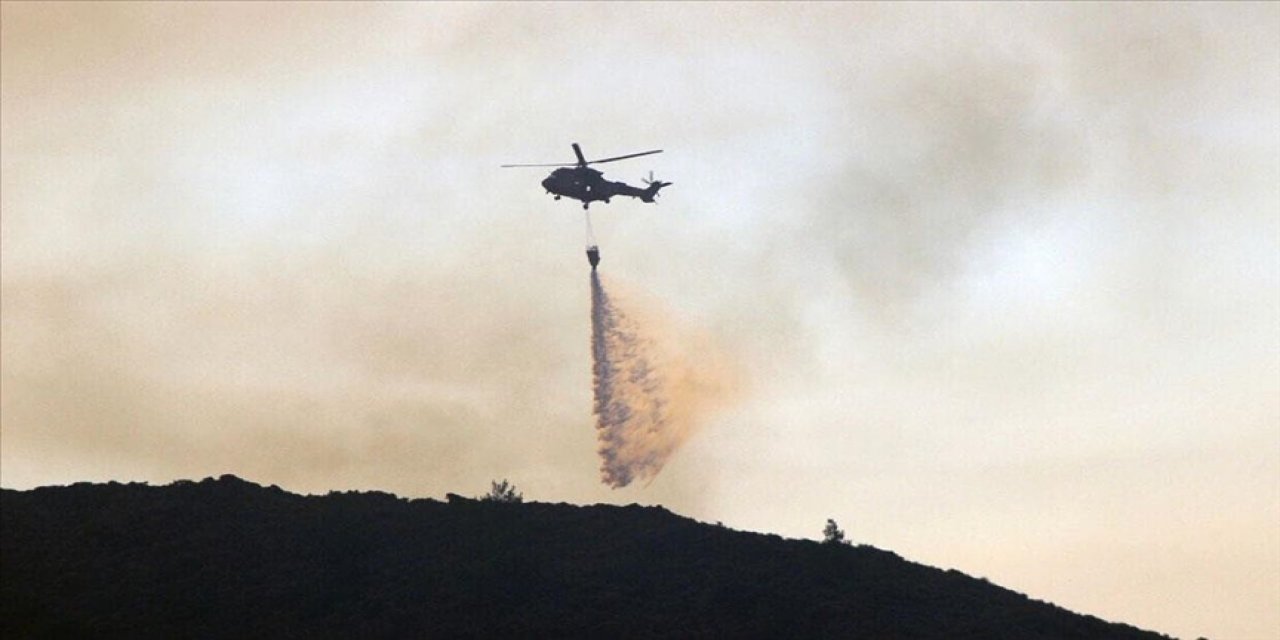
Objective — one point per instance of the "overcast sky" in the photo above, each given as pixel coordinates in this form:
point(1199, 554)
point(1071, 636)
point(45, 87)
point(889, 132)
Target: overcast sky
point(1001, 282)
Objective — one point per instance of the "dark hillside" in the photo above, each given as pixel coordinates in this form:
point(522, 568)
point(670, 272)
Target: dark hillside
point(228, 558)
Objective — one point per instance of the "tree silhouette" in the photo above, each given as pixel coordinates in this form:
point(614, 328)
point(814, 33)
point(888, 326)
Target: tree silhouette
point(502, 492)
point(832, 534)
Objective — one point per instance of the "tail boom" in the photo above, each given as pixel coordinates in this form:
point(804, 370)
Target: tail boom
point(647, 194)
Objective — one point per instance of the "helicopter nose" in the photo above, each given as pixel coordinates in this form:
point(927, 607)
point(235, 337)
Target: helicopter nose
point(546, 184)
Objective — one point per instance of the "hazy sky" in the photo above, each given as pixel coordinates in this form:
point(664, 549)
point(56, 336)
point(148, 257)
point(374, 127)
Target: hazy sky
point(1002, 282)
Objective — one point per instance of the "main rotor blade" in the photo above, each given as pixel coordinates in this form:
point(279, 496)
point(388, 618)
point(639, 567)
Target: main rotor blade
point(630, 155)
point(505, 166)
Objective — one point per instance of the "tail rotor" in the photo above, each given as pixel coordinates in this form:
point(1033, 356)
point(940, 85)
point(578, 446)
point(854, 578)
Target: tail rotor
point(652, 186)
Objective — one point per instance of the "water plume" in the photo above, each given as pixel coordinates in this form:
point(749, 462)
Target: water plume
point(650, 393)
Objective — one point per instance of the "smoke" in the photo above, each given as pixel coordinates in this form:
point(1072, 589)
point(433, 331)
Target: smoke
point(650, 394)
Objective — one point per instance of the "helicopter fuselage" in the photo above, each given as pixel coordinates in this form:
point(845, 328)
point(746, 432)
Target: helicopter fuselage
point(588, 185)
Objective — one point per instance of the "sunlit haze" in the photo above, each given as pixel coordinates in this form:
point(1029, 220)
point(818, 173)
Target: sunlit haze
point(998, 285)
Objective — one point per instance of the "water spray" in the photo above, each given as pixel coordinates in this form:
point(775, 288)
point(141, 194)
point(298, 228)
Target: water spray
point(653, 384)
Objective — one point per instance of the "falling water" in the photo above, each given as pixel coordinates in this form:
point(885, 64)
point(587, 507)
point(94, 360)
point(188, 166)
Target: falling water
point(649, 395)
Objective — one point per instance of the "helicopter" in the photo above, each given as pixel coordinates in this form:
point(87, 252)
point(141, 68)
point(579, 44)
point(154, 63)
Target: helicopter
point(579, 182)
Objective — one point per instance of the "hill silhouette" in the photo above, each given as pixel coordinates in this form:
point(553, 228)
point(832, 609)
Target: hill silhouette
point(228, 558)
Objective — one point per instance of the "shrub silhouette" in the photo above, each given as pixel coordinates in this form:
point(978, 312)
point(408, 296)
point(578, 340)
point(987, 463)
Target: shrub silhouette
point(502, 492)
point(832, 534)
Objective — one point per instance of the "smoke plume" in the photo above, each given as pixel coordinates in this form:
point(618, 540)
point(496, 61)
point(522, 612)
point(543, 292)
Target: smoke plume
point(650, 395)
